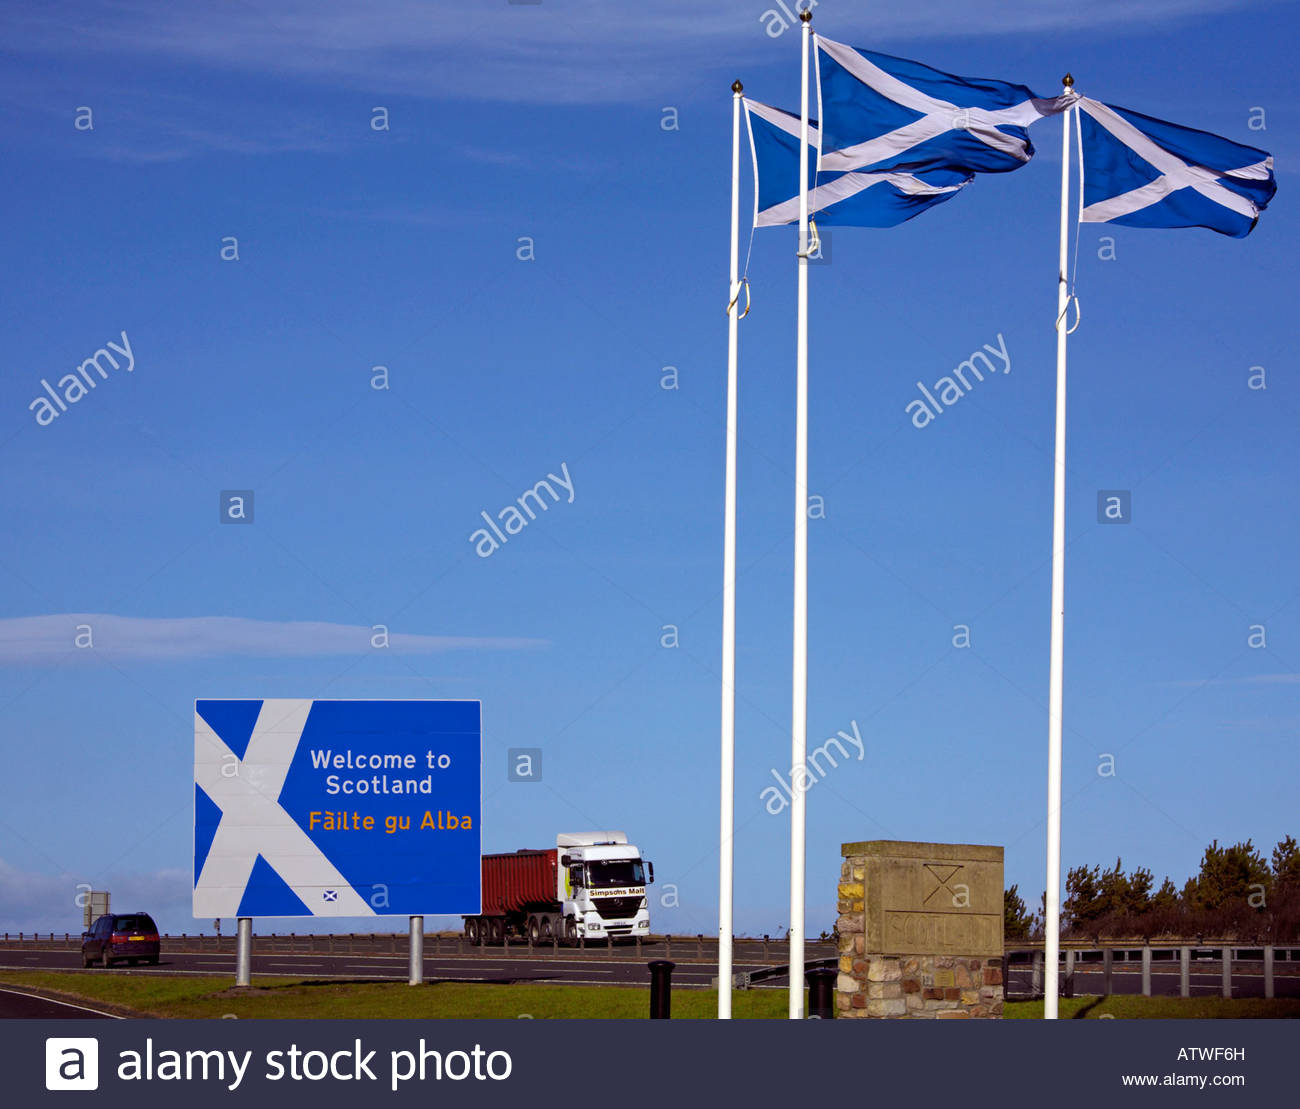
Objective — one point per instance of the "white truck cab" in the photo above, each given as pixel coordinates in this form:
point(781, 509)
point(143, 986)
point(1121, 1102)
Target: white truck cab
point(602, 885)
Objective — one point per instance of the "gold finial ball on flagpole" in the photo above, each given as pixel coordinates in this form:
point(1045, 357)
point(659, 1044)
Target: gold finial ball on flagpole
point(1068, 81)
point(805, 16)
point(737, 87)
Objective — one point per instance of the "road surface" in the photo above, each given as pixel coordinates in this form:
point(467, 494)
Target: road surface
point(17, 1005)
point(590, 968)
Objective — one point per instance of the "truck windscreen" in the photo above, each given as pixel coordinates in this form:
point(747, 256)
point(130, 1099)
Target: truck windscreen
point(610, 873)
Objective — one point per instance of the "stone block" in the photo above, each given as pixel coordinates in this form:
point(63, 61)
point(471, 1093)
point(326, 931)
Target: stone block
point(951, 993)
point(887, 1007)
point(953, 1014)
point(992, 976)
point(963, 976)
point(911, 985)
point(884, 989)
point(846, 983)
point(884, 970)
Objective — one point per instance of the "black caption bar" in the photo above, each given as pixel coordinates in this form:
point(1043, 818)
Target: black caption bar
point(488, 1063)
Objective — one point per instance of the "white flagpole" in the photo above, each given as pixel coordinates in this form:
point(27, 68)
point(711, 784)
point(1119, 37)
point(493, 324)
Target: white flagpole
point(727, 808)
point(799, 714)
point(1052, 909)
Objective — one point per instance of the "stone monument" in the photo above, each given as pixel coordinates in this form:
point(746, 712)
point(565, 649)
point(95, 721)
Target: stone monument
point(920, 930)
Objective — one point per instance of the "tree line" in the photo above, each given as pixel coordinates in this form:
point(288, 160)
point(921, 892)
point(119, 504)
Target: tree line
point(1237, 895)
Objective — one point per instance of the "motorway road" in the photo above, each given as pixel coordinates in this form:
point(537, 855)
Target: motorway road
point(591, 968)
point(572, 968)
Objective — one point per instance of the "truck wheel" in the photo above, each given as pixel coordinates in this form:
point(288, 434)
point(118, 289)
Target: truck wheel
point(495, 931)
point(534, 931)
point(570, 933)
point(546, 929)
point(472, 930)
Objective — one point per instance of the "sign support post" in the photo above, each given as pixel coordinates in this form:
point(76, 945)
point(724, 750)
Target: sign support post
point(417, 952)
point(244, 951)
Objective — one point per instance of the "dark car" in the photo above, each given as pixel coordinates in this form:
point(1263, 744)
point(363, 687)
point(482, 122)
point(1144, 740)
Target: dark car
point(116, 936)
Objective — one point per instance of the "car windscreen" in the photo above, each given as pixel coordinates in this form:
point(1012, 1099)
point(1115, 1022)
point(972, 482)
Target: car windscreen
point(135, 923)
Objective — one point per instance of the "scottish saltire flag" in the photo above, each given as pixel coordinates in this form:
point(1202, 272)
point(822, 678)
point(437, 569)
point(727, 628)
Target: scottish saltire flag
point(879, 113)
point(1144, 172)
point(878, 199)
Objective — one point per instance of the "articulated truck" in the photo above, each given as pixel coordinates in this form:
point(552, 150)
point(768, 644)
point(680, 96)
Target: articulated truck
point(590, 885)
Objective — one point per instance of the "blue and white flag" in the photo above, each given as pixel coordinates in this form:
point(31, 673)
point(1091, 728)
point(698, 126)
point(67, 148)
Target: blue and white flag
point(879, 112)
point(1144, 172)
point(878, 199)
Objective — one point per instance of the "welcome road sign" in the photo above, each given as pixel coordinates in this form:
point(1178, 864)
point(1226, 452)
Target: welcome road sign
point(337, 808)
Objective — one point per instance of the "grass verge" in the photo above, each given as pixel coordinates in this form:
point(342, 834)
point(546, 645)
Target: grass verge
point(1126, 1007)
point(179, 996)
point(197, 997)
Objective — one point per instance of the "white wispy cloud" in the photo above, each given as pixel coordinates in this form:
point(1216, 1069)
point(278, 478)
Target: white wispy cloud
point(55, 638)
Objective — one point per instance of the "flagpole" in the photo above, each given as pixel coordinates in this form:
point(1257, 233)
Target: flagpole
point(1052, 908)
point(727, 807)
point(799, 713)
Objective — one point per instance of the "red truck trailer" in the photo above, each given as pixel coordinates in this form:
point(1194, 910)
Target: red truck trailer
point(516, 887)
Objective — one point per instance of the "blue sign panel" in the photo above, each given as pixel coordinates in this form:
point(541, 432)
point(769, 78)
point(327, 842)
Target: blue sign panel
point(337, 808)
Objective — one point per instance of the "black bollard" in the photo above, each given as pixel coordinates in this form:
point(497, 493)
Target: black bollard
point(821, 993)
point(661, 986)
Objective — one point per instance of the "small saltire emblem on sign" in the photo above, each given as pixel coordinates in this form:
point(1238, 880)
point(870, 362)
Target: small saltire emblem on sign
point(331, 895)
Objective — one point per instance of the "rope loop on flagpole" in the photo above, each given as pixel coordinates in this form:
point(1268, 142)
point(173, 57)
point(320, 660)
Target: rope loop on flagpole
point(1078, 314)
point(744, 281)
point(814, 241)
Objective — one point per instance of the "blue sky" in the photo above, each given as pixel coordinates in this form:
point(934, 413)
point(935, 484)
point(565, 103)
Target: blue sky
point(361, 248)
